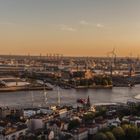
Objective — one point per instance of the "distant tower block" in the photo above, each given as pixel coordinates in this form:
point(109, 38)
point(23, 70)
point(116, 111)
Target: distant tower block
point(40, 55)
point(46, 56)
point(50, 56)
point(131, 70)
point(54, 56)
point(61, 55)
point(57, 56)
point(29, 56)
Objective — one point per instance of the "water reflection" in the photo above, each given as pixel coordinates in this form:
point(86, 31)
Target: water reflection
point(70, 96)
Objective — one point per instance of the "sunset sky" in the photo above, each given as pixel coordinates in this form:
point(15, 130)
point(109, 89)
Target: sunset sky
point(70, 27)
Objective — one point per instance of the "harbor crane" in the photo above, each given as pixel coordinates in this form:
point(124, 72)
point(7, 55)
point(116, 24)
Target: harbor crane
point(112, 62)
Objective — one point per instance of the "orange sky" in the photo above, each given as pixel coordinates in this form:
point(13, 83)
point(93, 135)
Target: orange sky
point(89, 28)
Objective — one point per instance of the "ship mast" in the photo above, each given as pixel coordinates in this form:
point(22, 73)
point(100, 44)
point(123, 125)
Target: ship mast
point(32, 99)
point(58, 94)
point(45, 95)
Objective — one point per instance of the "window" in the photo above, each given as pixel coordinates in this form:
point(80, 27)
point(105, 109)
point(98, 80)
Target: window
point(13, 137)
point(21, 133)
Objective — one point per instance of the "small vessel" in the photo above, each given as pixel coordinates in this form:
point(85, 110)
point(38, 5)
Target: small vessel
point(65, 87)
point(81, 101)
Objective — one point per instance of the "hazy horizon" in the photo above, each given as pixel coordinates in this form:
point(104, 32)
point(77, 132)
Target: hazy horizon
point(70, 27)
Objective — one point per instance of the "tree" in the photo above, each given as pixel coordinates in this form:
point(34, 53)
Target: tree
point(100, 136)
point(125, 127)
point(105, 82)
point(27, 138)
point(118, 132)
point(101, 111)
point(109, 81)
point(73, 124)
point(138, 133)
point(110, 136)
point(88, 118)
point(131, 132)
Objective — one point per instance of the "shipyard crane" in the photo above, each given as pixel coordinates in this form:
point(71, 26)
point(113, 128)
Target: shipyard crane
point(131, 67)
point(113, 55)
point(113, 60)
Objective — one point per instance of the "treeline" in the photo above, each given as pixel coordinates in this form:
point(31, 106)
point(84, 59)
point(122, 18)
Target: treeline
point(97, 80)
point(123, 132)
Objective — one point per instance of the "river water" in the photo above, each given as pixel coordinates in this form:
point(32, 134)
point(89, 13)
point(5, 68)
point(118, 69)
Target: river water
point(69, 96)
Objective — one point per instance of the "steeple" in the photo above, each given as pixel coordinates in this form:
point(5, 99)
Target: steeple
point(88, 102)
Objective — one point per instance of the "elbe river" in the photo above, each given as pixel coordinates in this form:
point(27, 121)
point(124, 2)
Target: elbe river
point(69, 96)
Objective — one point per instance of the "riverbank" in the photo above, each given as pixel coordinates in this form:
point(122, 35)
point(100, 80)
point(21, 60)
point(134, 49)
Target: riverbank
point(13, 89)
point(94, 87)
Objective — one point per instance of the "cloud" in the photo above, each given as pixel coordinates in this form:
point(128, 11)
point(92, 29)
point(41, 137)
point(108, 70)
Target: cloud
point(67, 28)
point(86, 23)
point(99, 25)
point(83, 22)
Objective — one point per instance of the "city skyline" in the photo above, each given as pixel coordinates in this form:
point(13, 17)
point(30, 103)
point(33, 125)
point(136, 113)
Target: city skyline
point(74, 28)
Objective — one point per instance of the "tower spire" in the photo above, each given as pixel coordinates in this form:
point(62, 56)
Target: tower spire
point(88, 102)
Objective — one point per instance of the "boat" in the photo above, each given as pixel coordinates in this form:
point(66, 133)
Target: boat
point(65, 87)
point(81, 101)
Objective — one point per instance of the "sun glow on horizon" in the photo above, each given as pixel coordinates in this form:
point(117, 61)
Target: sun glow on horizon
point(75, 28)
